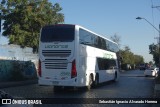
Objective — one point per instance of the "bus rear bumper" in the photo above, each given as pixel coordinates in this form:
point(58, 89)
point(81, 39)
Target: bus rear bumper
point(71, 82)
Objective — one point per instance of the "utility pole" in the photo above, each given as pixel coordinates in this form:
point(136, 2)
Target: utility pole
point(139, 18)
point(158, 42)
point(0, 22)
point(158, 39)
point(159, 50)
point(156, 7)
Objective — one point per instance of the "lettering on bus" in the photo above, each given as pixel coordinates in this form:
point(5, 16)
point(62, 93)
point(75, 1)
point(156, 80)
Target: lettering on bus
point(108, 56)
point(65, 74)
point(56, 46)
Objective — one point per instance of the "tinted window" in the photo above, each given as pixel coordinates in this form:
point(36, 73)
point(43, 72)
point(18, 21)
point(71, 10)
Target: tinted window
point(86, 38)
point(100, 43)
point(112, 46)
point(106, 64)
point(90, 39)
point(63, 33)
point(107, 45)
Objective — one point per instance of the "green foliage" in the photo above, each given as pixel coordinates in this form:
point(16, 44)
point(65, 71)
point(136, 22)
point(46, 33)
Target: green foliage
point(151, 63)
point(23, 20)
point(130, 58)
point(127, 56)
point(153, 49)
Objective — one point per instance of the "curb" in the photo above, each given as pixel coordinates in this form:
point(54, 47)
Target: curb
point(18, 83)
point(156, 94)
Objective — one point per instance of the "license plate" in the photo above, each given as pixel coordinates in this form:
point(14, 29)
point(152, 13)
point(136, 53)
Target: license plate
point(55, 82)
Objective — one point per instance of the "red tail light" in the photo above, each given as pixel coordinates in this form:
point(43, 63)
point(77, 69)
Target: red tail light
point(73, 72)
point(39, 69)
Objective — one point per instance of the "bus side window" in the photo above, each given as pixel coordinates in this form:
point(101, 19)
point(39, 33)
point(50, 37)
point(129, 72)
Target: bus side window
point(86, 38)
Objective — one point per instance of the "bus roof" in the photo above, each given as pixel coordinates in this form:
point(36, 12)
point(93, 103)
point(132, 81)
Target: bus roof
point(76, 25)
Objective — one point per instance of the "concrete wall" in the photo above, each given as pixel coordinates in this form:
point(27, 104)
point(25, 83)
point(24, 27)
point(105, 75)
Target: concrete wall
point(5, 67)
point(14, 59)
point(11, 70)
point(15, 52)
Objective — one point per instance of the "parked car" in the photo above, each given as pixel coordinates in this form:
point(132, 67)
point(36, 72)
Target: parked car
point(151, 72)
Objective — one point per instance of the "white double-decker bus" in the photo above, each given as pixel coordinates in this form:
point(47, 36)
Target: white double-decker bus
point(71, 55)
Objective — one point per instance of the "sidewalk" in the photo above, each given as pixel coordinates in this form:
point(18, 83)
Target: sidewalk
point(17, 83)
point(157, 91)
point(156, 94)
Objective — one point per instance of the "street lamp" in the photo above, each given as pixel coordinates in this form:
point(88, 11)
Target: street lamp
point(139, 18)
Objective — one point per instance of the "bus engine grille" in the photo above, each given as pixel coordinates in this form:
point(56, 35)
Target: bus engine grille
point(56, 53)
point(56, 63)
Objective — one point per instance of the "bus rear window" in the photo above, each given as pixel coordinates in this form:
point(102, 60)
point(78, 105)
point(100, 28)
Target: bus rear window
point(63, 33)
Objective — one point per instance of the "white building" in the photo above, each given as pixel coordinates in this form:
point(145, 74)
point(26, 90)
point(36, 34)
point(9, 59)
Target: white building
point(15, 52)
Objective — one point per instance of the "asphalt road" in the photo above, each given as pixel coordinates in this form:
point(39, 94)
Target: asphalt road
point(132, 84)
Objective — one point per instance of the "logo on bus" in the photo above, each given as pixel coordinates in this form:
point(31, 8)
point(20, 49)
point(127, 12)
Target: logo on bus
point(65, 74)
point(56, 46)
point(108, 56)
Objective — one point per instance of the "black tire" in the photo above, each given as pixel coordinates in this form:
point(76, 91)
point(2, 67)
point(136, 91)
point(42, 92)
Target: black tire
point(96, 82)
point(90, 83)
point(115, 77)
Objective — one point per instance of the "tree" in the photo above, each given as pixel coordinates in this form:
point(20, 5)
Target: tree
point(130, 58)
point(23, 20)
point(153, 49)
point(138, 59)
point(150, 62)
point(116, 39)
point(126, 55)
point(127, 48)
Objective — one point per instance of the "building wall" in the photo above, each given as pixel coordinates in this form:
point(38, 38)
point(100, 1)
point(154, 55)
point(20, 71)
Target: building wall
point(11, 70)
point(13, 55)
point(15, 52)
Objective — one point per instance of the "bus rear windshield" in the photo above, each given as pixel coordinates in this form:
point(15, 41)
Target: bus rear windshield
point(62, 33)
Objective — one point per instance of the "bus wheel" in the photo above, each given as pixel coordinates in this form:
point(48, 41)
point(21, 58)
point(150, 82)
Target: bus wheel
point(96, 82)
point(115, 77)
point(90, 83)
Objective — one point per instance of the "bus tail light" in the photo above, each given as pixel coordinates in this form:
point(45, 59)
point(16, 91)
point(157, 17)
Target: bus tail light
point(73, 72)
point(39, 68)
